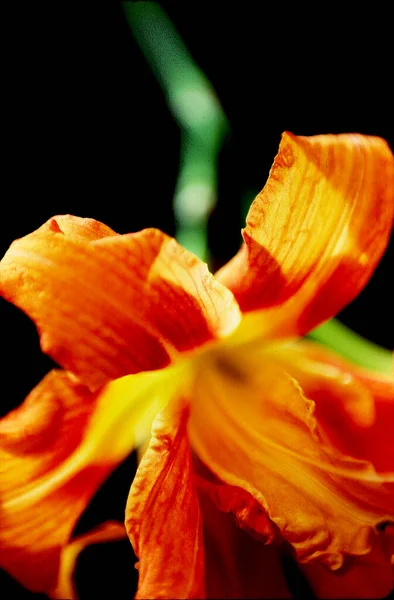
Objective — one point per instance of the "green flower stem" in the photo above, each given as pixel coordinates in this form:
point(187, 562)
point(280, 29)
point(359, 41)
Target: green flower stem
point(340, 338)
point(194, 105)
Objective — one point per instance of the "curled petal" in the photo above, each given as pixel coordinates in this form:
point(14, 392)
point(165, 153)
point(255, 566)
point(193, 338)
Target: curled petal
point(77, 228)
point(264, 438)
point(111, 305)
point(239, 564)
point(163, 517)
point(246, 511)
point(364, 577)
point(354, 406)
point(56, 450)
point(315, 233)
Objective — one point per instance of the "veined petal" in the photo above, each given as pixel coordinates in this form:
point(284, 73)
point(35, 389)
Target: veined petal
point(354, 409)
point(354, 406)
point(116, 305)
point(56, 450)
point(252, 425)
point(163, 517)
point(315, 233)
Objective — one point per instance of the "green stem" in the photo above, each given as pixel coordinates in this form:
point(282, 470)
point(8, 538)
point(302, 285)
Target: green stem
point(194, 105)
point(352, 346)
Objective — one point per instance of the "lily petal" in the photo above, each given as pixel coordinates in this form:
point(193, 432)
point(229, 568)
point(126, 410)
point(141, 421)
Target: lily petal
point(115, 305)
point(315, 233)
point(77, 228)
point(163, 517)
point(56, 450)
point(239, 563)
point(365, 577)
point(264, 438)
point(354, 406)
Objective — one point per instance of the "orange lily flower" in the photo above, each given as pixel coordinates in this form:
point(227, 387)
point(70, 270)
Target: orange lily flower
point(260, 442)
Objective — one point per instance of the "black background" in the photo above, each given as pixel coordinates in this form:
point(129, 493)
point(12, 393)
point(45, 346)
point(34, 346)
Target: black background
point(86, 131)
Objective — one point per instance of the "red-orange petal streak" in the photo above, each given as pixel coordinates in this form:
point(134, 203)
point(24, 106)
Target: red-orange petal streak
point(116, 305)
point(316, 231)
point(163, 517)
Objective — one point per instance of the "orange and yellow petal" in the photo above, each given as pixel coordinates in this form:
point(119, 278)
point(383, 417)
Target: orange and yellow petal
point(56, 449)
point(110, 305)
point(315, 233)
point(253, 426)
point(163, 516)
point(77, 228)
point(354, 406)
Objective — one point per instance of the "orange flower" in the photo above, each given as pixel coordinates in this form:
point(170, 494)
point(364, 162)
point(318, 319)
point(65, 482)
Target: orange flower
point(255, 428)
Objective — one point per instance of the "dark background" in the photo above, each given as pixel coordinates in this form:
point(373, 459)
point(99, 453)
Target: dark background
point(86, 131)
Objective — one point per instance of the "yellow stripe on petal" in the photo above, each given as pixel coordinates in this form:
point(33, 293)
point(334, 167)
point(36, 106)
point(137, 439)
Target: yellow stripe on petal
point(315, 233)
point(56, 450)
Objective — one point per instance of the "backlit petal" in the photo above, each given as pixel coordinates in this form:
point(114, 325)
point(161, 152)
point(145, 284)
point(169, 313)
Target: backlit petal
point(115, 305)
point(264, 437)
point(354, 406)
point(56, 450)
point(315, 233)
point(163, 517)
